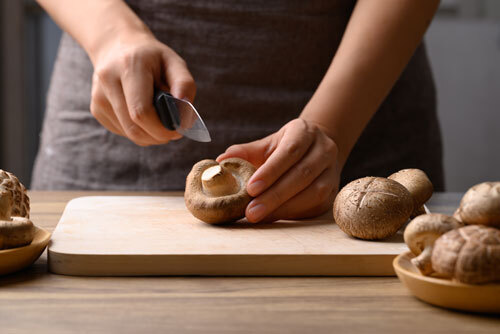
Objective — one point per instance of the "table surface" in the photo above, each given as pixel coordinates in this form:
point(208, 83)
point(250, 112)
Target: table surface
point(36, 301)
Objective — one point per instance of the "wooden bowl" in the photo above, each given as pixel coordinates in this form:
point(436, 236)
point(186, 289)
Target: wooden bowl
point(445, 292)
point(14, 259)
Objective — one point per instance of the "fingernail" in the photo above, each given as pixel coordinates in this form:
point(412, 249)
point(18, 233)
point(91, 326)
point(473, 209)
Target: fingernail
point(255, 188)
point(256, 212)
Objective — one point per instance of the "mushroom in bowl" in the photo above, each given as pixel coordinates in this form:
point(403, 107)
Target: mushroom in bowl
point(470, 254)
point(481, 205)
point(421, 234)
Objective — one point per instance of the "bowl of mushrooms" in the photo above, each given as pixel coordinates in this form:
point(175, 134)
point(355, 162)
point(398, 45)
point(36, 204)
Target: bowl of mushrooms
point(21, 242)
point(454, 261)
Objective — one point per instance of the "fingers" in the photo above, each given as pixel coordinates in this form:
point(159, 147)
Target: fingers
point(255, 152)
point(138, 89)
point(311, 202)
point(102, 111)
point(123, 88)
point(295, 142)
point(114, 92)
point(179, 79)
point(304, 173)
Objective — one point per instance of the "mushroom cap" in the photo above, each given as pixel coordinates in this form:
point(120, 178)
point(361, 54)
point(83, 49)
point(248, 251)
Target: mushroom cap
point(21, 202)
point(425, 229)
point(417, 183)
point(481, 205)
point(17, 232)
point(372, 208)
point(470, 254)
point(218, 209)
point(5, 204)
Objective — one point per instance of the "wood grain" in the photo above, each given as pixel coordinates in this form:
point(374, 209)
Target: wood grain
point(37, 301)
point(140, 235)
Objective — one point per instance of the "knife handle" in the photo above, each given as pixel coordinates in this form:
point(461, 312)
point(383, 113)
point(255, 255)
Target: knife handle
point(166, 109)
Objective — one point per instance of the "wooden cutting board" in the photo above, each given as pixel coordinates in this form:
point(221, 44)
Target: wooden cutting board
point(129, 236)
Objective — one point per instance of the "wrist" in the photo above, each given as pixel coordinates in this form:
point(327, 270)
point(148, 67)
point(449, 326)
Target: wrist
point(114, 35)
point(343, 149)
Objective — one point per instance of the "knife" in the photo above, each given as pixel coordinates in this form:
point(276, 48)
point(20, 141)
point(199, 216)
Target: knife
point(181, 116)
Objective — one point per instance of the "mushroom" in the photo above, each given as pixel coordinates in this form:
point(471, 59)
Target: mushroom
point(17, 232)
point(422, 232)
point(372, 208)
point(419, 186)
point(5, 204)
point(21, 202)
point(481, 205)
point(470, 254)
point(216, 193)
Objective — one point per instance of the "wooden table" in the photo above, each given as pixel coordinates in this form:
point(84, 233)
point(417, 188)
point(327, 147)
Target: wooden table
point(36, 301)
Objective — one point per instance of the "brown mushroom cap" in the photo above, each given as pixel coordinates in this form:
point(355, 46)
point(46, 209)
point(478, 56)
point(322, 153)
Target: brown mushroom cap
point(216, 193)
point(21, 202)
point(5, 204)
point(481, 205)
point(470, 254)
point(422, 232)
point(16, 232)
point(418, 184)
point(372, 208)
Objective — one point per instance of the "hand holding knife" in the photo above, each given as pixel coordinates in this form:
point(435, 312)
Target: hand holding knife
point(181, 116)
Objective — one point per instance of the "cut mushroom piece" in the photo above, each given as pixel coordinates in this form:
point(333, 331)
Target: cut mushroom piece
point(470, 254)
point(419, 186)
point(481, 205)
point(372, 208)
point(422, 232)
point(16, 232)
point(216, 193)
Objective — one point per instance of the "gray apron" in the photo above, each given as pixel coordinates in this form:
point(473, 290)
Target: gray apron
point(256, 65)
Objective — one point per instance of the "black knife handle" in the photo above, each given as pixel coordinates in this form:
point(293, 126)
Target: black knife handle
point(166, 109)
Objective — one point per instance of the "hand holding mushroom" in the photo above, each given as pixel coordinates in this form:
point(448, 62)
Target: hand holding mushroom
point(298, 172)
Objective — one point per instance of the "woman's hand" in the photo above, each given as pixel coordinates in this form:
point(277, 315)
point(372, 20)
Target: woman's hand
point(129, 62)
point(298, 172)
point(126, 72)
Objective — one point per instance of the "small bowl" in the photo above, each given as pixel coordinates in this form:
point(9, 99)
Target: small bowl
point(15, 259)
point(446, 292)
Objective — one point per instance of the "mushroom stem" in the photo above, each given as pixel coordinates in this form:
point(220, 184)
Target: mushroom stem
point(218, 181)
point(423, 261)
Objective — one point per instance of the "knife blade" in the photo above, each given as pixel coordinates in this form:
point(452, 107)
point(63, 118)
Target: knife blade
point(181, 116)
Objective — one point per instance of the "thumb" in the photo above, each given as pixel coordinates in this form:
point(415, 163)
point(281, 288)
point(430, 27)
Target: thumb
point(255, 152)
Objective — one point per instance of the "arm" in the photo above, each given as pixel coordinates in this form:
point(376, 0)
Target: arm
point(128, 62)
point(378, 43)
point(299, 166)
